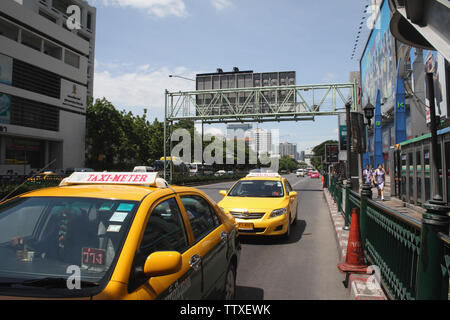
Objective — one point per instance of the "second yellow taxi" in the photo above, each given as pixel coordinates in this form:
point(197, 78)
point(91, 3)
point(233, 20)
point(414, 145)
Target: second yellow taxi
point(262, 203)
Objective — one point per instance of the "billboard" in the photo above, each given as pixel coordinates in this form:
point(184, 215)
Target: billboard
point(331, 153)
point(244, 79)
point(435, 63)
point(377, 62)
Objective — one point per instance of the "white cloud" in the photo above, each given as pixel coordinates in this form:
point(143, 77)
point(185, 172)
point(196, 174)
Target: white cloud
point(221, 4)
point(142, 87)
point(159, 8)
point(329, 76)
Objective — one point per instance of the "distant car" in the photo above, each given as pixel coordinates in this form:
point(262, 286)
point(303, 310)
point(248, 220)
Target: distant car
point(230, 172)
point(314, 175)
point(143, 169)
point(300, 173)
point(220, 173)
point(69, 171)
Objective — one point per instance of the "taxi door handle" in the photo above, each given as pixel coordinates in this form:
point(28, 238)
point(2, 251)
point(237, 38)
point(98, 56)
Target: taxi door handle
point(194, 262)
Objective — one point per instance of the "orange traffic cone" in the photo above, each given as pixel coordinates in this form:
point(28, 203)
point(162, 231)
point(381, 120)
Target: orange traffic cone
point(354, 260)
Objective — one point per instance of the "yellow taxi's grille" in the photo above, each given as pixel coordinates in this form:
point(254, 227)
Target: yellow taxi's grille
point(247, 215)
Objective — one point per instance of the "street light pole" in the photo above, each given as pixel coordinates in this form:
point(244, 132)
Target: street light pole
point(349, 143)
point(181, 77)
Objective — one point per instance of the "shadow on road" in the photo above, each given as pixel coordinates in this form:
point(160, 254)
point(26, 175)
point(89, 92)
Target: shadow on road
point(249, 293)
point(296, 234)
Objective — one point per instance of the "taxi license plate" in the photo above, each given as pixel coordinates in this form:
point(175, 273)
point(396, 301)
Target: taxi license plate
point(245, 226)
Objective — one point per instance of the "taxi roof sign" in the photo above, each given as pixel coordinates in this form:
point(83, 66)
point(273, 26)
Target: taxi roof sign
point(129, 178)
point(263, 174)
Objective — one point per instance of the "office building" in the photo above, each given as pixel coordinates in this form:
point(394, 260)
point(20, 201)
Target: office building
point(46, 76)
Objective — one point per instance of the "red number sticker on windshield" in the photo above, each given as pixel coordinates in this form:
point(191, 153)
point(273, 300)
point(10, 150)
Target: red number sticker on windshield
point(93, 257)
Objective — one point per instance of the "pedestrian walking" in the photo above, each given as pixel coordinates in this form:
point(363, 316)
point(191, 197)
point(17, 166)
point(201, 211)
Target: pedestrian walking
point(379, 178)
point(368, 175)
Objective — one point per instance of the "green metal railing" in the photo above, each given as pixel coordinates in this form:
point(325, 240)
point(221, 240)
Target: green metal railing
point(413, 256)
point(445, 263)
point(391, 241)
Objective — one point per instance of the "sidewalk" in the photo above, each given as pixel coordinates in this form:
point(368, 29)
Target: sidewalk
point(360, 286)
point(397, 204)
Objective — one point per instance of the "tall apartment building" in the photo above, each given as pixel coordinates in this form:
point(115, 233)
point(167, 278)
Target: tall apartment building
point(288, 149)
point(261, 141)
point(46, 76)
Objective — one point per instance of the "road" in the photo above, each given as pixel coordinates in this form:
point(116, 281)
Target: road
point(301, 268)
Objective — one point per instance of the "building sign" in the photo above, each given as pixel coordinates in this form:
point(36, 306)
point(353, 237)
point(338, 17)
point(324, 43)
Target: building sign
point(377, 62)
point(435, 63)
point(331, 153)
point(6, 64)
point(73, 96)
point(5, 108)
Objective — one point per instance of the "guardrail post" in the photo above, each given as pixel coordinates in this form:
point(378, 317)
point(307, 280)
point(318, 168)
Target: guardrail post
point(347, 207)
point(339, 194)
point(430, 279)
point(366, 193)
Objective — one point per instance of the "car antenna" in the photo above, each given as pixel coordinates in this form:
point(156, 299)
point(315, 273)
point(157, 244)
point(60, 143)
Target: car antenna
point(26, 179)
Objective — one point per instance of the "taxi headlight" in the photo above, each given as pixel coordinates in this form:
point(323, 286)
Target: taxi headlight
point(278, 212)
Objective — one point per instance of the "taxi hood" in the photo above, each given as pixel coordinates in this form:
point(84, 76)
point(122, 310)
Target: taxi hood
point(253, 203)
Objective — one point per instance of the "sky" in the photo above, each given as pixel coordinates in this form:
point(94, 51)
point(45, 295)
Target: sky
point(140, 42)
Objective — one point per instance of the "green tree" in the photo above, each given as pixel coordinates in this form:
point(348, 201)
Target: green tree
point(287, 163)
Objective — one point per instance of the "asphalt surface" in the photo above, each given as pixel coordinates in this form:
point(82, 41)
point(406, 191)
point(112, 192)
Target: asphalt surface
point(300, 268)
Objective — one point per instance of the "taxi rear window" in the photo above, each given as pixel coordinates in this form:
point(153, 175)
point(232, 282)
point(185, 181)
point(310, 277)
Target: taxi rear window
point(257, 188)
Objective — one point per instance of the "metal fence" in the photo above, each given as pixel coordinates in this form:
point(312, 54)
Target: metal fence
point(394, 242)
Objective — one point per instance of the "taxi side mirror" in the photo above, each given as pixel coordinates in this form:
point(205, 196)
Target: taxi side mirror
point(162, 263)
point(292, 194)
point(223, 192)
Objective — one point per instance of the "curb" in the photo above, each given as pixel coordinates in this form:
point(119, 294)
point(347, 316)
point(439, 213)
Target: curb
point(360, 286)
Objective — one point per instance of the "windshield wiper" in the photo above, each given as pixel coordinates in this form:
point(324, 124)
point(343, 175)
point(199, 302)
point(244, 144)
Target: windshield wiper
point(55, 283)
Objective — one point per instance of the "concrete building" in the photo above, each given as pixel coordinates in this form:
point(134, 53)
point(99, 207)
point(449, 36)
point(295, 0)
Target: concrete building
point(238, 130)
point(261, 141)
point(289, 149)
point(46, 76)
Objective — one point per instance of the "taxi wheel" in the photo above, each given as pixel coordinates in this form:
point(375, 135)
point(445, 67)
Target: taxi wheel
point(230, 283)
point(288, 231)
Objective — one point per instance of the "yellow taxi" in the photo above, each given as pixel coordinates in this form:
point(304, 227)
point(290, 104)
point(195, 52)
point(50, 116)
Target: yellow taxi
point(117, 235)
point(262, 203)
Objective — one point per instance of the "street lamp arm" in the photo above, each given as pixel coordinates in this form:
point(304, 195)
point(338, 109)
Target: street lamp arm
point(181, 77)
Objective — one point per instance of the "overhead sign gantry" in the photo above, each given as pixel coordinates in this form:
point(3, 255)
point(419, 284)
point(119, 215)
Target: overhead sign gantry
point(256, 104)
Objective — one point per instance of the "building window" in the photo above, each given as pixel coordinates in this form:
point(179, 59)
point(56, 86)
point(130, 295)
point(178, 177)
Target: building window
point(52, 50)
point(33, 114)
point(89, 21)
point(47, 16)
point(62, 5)
point(9, 30)
point(31, 40)
point(35, 79)
point(72, 59)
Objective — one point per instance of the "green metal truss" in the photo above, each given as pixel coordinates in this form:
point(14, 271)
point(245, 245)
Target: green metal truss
point(260, 104)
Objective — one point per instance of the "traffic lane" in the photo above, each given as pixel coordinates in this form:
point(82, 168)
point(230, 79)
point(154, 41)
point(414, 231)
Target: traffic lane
point(302, 268)
point(212, 190)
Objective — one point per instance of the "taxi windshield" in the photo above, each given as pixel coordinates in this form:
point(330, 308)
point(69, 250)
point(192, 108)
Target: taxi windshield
point(257, 188)
point(47, 238)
